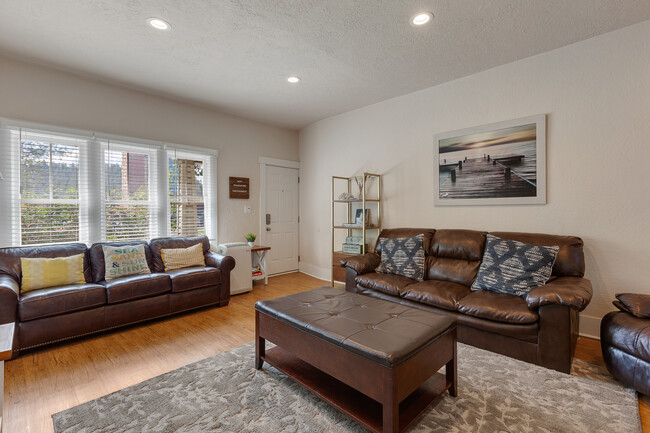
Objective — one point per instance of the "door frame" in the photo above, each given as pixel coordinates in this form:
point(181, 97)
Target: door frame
point(264, 162)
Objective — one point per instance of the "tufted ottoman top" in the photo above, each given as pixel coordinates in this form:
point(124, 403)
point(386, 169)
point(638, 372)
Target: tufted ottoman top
point(381, 331)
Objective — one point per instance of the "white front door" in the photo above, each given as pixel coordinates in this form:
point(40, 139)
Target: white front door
point(282, 219)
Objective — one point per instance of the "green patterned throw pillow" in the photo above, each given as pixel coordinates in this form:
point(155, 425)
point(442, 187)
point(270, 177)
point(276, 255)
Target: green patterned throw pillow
point(125, 260)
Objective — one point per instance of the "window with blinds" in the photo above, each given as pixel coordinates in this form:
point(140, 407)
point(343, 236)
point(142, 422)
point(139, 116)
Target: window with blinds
point(49, 189)
point(60, 187)
point(186, 197)
point(129, 201)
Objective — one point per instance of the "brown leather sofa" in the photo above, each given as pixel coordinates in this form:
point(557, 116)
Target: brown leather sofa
point(58, 313)
point(625, 341)
point(541, 328)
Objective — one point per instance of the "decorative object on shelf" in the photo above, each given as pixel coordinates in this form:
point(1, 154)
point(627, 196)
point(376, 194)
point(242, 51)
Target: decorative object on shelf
point(239, 187)
point(358, 214)
point(251, 239)
point(500, 163)
point(353, 248)
point(346, 197)
point(354, 240)
point(358, 218)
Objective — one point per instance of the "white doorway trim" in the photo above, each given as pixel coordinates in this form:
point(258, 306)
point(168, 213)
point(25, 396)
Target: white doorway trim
point(264, 161)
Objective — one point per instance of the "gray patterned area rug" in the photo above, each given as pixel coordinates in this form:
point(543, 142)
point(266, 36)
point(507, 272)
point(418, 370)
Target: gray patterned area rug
point(225, 393)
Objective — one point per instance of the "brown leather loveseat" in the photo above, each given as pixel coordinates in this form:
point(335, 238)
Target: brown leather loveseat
point(540, 328)
point(52, 314)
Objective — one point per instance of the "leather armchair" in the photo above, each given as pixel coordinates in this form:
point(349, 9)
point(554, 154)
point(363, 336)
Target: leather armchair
point(625, 341)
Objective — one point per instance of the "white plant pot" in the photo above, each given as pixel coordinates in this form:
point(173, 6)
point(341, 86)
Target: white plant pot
point(251, 244)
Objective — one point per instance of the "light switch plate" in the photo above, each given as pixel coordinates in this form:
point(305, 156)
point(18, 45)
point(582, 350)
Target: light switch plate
point(247, 209)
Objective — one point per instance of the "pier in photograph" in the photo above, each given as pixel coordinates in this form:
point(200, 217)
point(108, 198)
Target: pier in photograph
point(487, 177)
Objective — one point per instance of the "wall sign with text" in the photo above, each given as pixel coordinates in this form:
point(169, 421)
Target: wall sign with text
point(239, 187)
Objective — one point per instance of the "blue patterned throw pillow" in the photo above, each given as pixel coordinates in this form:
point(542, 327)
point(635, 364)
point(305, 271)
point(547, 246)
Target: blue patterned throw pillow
point(513, 267)
point(402, 256)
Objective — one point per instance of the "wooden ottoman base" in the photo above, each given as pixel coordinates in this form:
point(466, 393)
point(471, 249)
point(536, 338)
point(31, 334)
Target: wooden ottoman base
point(381, 398)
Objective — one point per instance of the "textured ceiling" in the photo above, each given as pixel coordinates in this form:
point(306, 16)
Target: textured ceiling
point(235, 55)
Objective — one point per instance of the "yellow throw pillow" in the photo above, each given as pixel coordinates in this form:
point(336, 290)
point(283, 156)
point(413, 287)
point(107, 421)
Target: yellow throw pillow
point(59, 271)
point(177, 258)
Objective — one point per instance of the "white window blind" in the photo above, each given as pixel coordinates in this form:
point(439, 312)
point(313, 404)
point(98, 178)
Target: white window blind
point(188, 194)
point(130, 199)
point(67, 187)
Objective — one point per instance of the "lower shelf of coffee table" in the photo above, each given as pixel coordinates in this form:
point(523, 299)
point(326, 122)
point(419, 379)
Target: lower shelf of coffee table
point(360, 407)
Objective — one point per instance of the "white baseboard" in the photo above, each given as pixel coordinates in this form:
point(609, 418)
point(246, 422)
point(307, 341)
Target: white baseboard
point(315, 271)
point(590, 326)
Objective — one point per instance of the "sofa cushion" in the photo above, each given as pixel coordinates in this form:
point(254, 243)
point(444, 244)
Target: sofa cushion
point(124, 260)
point(497, 306)
point(53, 301)
point(158, 244)
point(194, 278)
point(402, 256)
point(179, 258)
point(42, 272)
point(442, 294)
point(135, 287)
point(570, 260)
point(513, 267)
point(385, 283)
point(521, 331)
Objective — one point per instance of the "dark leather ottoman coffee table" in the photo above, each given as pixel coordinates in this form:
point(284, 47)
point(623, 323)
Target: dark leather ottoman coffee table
point(372, 359)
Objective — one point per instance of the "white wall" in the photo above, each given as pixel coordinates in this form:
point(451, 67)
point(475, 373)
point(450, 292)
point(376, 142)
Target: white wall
point(33, 93)
point(597, 97)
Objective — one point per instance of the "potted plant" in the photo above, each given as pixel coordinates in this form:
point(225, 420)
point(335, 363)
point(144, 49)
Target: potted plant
point(251, 239)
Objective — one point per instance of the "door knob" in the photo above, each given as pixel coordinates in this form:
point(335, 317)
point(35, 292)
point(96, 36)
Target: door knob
point(268, 229)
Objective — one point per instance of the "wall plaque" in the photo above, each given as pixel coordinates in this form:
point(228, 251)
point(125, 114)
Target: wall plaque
point(239, 187)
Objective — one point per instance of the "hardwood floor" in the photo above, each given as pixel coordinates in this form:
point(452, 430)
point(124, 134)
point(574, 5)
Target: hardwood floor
point(42, 382)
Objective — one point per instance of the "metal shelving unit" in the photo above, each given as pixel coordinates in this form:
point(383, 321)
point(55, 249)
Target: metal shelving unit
point(363, 201)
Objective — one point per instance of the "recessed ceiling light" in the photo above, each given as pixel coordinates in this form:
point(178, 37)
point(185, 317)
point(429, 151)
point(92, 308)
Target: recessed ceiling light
point(421, 18)
point(293, 79)
point(158, 24)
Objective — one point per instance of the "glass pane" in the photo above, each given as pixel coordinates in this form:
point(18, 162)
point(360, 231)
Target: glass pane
point(49, 223)
point(127, 222)
point(127, 176)
point(186, 205)
point(49, 170)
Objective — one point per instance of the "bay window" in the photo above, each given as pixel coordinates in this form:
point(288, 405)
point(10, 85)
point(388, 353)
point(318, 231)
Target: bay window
point(75, 187)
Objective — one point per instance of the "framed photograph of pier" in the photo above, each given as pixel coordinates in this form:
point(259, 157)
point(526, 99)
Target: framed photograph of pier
point(500, 163)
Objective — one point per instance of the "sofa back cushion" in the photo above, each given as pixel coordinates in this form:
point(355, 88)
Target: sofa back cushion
point(172, 243)
point(570, 260)
point(96, 253)
point(406, 233)
point(455, 256)
point(10, 257)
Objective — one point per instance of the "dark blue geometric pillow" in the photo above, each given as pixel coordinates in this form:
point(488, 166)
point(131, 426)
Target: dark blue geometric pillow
point(402, 256)
point(514, 268)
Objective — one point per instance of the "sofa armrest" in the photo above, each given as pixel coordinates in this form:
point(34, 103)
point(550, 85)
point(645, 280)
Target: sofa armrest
point(9, 293)
point(363, 263)
point(225, 263)
point(637, 304)
point(573, 292)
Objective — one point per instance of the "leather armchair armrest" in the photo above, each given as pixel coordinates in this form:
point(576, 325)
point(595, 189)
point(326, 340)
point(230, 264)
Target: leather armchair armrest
point(362, 264)
point(225, 263)
point(9, 294)
point(637, 304)
point(573, 292)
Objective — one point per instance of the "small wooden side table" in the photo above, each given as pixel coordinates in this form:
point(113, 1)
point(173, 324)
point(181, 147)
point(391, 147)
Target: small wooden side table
point(258, 253)
point(6, 345)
